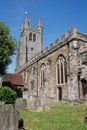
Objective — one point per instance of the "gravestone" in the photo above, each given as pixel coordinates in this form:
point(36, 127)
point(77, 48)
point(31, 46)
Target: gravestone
point(8, 117)
point(20, 104)
point(45, 102)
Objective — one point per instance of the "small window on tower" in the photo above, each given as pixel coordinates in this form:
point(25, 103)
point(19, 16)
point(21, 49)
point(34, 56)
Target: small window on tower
point(32, 48)
point(34, 37)
point(30, 37)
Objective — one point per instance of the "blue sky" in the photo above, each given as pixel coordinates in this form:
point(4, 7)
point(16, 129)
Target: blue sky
point(58, 16)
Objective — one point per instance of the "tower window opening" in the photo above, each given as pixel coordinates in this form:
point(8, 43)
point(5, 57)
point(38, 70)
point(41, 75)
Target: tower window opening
point(30, 37)
point(34, 37)
point(32, 48)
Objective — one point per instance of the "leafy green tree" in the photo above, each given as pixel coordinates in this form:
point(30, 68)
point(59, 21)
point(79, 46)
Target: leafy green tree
point(7, 95)
point(7, 47)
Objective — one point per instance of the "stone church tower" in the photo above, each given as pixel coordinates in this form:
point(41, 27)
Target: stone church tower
point(31, 42)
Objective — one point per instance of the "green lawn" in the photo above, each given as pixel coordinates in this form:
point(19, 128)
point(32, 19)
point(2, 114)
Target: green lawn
point(61, 117)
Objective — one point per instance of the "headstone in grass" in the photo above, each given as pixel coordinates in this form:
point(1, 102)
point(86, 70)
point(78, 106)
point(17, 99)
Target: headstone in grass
point(45, 102)
point(20, 104)
point(8, 117)
point(38, 104)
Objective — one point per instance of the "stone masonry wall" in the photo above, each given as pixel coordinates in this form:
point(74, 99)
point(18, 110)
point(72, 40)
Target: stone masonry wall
point(68, 46)
point(73, 72)
point(50, 87)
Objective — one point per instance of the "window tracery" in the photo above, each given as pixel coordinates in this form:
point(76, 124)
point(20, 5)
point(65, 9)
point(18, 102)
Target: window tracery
point(61, 70)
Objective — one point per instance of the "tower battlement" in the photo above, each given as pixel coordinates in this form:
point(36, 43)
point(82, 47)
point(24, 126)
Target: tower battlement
point(72, 34)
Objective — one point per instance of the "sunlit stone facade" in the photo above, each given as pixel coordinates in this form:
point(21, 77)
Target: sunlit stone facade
point(58, 71)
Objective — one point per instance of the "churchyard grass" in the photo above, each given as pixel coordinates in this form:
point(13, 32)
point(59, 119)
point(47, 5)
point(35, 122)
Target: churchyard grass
point(61, 117)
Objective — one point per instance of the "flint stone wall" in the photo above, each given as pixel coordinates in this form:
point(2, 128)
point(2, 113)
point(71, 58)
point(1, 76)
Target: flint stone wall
point(8, 117)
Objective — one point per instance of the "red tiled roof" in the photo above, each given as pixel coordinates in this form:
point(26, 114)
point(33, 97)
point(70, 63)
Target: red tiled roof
point(14, 79)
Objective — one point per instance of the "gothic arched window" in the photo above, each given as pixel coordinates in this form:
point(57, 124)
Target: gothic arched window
point(34, 37)
point(30, 36)
point(42, 74)
point(61, 70)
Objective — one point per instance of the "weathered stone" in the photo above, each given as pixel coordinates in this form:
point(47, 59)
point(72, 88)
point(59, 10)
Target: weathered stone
point(45, 100)
point(72, 31)
point(20, 104)
point(8, 117)
point(46, 108)
point(64, 36)
point(38, 104)
point(57, 41)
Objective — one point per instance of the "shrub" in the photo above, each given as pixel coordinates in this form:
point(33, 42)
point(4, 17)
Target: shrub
point(7, 95)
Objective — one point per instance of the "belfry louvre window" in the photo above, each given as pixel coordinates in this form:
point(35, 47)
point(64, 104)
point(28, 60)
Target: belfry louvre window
point(34, 37)
point(30, 36)
point(61, 70)
point(42, 74)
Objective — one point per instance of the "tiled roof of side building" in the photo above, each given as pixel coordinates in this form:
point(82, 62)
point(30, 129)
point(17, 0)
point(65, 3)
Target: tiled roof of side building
point(14, 79)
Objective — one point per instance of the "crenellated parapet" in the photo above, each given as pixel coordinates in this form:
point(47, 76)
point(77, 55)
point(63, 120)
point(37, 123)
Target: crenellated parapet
point(66, 38)
point(72, 31)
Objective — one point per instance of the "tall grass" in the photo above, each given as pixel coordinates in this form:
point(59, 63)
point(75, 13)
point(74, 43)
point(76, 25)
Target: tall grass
point(61, 117)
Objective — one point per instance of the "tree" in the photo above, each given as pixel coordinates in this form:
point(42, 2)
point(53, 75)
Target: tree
point(7, 95)
point(7, 47)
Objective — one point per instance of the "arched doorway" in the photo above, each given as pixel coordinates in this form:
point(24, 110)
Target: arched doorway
point(84, 87)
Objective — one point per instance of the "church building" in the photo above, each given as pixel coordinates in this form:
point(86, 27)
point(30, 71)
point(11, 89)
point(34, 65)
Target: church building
point(58, 71)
